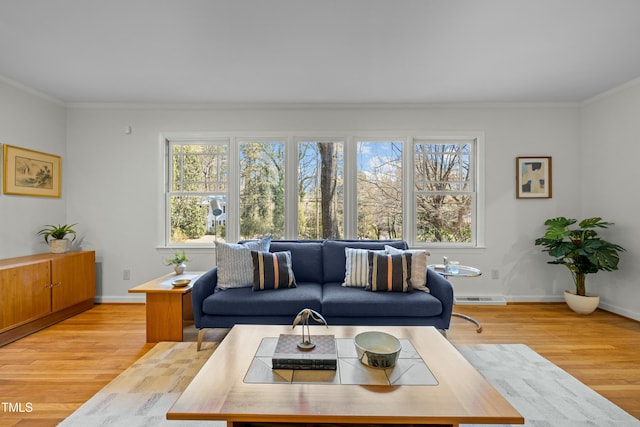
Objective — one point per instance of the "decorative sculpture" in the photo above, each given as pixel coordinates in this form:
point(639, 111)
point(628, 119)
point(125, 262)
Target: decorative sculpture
point(303, 317)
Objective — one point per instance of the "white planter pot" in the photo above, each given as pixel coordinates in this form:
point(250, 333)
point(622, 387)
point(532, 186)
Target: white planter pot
point(59, 246)
point(179, 268)
point(581, 304)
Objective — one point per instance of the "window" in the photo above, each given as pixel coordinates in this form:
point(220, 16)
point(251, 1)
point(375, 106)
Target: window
point(262, 189)
point(198, 187)
point(230, 187)
point(379, 189)
point(320, 189)
point(445, 194)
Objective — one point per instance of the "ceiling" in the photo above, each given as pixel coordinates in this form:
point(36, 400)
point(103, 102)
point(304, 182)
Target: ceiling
point(320, 51)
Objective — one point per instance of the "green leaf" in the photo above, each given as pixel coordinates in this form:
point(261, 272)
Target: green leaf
point(594, 222)
point(557, 227)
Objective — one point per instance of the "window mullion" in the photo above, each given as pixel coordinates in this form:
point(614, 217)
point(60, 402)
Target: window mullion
point(291, 189)
point(233, 201)
point(350, 189)
point(408, 199)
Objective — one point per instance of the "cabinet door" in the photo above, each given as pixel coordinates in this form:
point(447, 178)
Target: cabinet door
point(25, 293)
point(74, 279)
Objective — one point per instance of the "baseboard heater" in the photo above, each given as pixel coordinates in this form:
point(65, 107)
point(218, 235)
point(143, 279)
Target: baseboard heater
point(483, 300)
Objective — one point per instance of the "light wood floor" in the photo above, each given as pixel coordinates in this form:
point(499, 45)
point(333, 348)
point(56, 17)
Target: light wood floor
point(59, 368)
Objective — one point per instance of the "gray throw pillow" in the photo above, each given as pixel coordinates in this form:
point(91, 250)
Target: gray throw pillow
point(235, 265)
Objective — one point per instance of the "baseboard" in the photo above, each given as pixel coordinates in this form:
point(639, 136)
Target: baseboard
point(480, 300)
point(619, 311)
point(132, 299)
point(545, 298)
point(503, 300)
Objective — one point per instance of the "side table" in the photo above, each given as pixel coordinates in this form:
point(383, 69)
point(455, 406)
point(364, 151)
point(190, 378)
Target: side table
point(459, 271)
point(167, 306)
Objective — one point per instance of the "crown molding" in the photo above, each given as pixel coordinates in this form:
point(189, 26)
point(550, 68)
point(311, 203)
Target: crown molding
point(611, 92)
point(318, 106)
point(31, 91)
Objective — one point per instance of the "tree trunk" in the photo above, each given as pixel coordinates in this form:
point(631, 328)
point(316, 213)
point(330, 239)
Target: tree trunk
point(580, 288)
point(328, 178)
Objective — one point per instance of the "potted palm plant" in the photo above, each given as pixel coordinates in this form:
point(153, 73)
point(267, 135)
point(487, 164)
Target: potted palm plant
point(55, 237)
point(582, 252)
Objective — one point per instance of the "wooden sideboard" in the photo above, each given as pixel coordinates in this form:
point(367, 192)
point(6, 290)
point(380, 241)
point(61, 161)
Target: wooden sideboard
point(37, 291)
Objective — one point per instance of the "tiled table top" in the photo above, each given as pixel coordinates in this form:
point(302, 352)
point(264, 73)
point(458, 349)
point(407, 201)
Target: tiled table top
point(410, 369)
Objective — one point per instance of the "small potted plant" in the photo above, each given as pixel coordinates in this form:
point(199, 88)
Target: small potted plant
point(55, 237)
point(178, 262)
point(582, 252)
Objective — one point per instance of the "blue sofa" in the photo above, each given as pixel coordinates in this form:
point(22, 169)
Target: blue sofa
point(319, 269)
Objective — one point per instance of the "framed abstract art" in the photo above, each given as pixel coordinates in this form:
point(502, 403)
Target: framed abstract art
point(533, 177)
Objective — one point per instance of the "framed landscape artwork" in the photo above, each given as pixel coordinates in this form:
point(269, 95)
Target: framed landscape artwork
point(533, 177)
point(31, 173)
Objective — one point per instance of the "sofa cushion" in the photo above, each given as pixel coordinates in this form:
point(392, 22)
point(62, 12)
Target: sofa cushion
point(334, 259)
point(339, 301)
point(272, 270)
point(306, 257)
point(418, 266)
point(239, 301)
point(235, 267)
point(389, 273)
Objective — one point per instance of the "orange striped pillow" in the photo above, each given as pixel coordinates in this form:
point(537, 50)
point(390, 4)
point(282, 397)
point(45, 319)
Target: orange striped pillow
point(272, 270)
point(389, 273)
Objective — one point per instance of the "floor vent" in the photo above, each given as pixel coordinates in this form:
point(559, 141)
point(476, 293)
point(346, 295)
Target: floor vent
point(481, 300)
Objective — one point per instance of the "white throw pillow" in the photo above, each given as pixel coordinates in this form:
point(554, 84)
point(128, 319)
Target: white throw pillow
point(235, 265)
point(418, 266)
point(356, 273)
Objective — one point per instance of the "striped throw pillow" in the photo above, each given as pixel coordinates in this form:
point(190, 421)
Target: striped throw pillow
point(389, 273)
point(418, 266)
point(272, 270)
point(234, 262)
point(356, 268)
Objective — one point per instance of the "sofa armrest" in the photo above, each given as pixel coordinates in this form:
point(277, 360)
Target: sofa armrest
point(442, 289)
point(204, 286)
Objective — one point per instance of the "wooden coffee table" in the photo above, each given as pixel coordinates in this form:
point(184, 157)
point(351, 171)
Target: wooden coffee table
point(462, 395)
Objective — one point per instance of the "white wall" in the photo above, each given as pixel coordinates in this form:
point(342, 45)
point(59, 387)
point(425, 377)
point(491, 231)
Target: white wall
point(114, 180)
point(610, 134)
point(33, 121)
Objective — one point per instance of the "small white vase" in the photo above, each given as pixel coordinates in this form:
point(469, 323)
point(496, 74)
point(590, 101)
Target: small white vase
point(58, 246)
point(179, 268)
point(581, 304)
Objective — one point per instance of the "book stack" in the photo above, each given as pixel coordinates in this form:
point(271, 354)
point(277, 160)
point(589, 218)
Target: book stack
point(287, 355)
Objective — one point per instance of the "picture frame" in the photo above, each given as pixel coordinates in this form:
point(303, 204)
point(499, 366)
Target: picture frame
point(31, 173)
point(533, 177)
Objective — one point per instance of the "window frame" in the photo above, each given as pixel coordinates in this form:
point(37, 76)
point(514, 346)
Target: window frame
point(476, 139)
point(169, 192)
point(403, 140)
point(237, 142)
point(317, 137)
point(350, 142)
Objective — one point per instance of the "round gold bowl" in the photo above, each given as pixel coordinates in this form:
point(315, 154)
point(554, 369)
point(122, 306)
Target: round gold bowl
point(180, 283)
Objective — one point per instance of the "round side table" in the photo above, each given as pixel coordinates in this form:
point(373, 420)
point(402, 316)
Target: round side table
point(459, 271)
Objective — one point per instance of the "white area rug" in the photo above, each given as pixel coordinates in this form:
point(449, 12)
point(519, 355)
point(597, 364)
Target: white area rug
point(544, 394)
point(144, 392)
